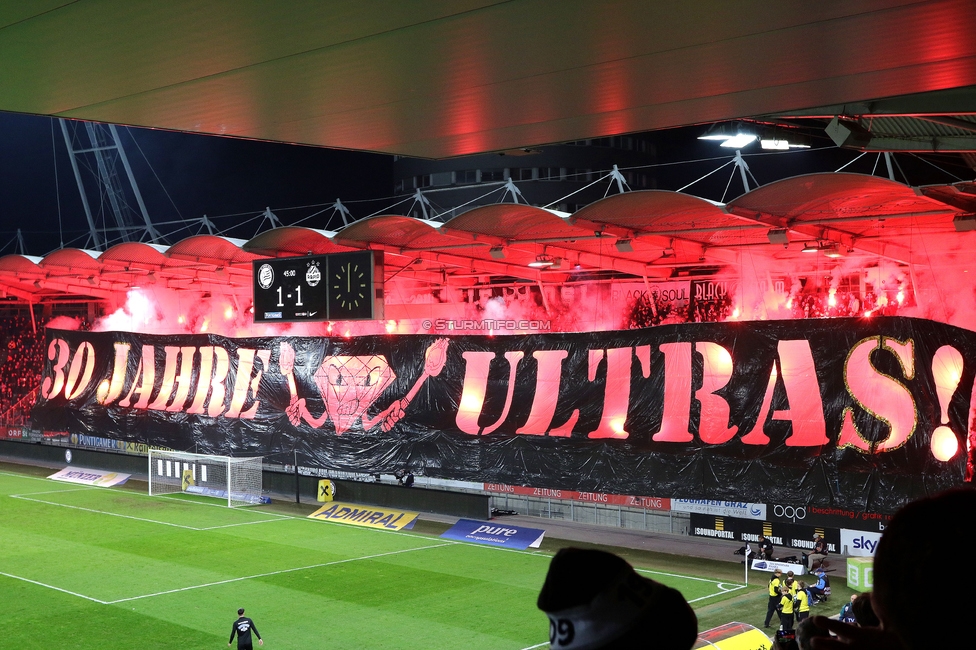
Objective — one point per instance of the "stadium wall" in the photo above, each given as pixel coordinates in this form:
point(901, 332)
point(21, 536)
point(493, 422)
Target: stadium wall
point(455, 504)
point(377, 494)
point(50, 455)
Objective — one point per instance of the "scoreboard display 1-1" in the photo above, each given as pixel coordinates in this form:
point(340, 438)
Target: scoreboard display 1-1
point(341, 286)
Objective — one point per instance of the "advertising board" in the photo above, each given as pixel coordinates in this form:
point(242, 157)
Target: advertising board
point(630, 501)
point(827, 516)
point(791, 536)
point(495, 534)
point(756, 511)
point(858, 542)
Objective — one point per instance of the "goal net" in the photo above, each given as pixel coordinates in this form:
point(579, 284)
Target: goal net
point(235, 480)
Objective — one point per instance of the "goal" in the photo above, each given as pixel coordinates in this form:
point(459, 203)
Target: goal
point(235, 480)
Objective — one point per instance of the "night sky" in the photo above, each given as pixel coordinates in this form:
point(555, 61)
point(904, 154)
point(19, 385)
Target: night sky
point(227, 176)
point(682, 145)
point(202, 175)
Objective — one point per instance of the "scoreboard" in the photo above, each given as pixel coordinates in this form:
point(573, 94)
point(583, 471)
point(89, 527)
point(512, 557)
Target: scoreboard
point(342, 286)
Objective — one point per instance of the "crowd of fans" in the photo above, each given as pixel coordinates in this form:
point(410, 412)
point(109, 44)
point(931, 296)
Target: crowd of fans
point(657, 310)
point(649, 311)
point(21, 362)
point(845, 304)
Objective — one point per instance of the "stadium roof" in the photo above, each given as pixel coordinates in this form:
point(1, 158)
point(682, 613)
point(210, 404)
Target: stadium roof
point(449, 77)
point(853, 219)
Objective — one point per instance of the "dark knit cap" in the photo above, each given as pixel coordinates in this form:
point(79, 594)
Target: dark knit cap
point(596, 601)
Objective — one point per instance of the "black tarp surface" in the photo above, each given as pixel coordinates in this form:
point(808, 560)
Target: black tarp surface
point(835, 412)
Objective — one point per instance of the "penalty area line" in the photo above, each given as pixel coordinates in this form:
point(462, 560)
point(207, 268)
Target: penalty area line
point(279, 572)
point(195, 502)
point(64, 591)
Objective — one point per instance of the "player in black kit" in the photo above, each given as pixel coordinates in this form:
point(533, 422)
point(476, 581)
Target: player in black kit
point(243, 627)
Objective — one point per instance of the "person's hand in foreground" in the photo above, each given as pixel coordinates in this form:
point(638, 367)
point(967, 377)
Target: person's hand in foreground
point(852, 637)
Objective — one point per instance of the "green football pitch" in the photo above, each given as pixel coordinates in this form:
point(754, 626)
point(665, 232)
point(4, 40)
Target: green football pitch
point(114, 568)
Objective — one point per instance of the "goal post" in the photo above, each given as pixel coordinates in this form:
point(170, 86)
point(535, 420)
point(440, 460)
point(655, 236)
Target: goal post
point(235, 480)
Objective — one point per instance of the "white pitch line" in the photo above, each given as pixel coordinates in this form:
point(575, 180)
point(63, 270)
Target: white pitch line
point(724, 591)
point(677, 575)
point(243, 523)
point(16, 475)
point(538, 645)
point(31, 494)
point(64, 591)
point(396, 532)
point(194, 502)
point(274, 573)
point(103, 512)
point(276, 517)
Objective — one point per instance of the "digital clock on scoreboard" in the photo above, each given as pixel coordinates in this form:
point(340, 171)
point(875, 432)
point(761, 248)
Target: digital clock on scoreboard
point(342, 286)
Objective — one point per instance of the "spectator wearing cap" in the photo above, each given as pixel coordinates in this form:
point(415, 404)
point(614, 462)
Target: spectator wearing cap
point(819, 552)
point(818, 590)
point(596, 601)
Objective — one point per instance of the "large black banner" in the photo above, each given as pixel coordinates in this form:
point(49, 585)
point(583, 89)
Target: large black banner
point(836, 413)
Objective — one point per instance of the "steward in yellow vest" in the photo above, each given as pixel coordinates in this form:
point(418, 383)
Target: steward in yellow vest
point(786, 609)
point(774, 584)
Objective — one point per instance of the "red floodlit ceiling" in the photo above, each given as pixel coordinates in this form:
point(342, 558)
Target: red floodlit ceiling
point(653, 234)
point(873, 215)
point(450, 77)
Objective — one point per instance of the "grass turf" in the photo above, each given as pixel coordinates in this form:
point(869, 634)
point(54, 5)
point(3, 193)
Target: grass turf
point(114, 568)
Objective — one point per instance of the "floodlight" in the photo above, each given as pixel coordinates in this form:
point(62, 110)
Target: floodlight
point(964, 222)
point(739, 140)
point(730, 135)
point(778, 236)
point(624, 246)
point(542, 262)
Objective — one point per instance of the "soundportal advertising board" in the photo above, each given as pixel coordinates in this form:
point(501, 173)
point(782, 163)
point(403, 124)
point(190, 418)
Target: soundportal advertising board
point(793, 536)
